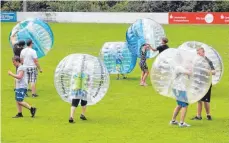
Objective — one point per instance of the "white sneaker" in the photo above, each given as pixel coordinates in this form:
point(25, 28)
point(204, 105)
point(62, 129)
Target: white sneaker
point(184, 125)
point(173, 123)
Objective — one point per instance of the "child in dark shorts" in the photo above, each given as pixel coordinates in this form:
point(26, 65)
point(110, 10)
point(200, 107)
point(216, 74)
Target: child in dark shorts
point(207, 98)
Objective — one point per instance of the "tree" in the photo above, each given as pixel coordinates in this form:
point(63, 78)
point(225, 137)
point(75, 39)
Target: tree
point(11, 6)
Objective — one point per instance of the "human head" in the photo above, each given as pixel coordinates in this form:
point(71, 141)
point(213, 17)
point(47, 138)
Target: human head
point(21, 43)
point(16, 61)
point(164, 40)
point(200, 51)
point(29, 43)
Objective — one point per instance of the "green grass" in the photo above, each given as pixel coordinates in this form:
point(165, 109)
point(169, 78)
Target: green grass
point(128, 113)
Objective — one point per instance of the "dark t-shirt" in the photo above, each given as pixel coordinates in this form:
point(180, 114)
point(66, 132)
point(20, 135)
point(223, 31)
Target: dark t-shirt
point(210, 63)
point(17, 49)
point(162, 48)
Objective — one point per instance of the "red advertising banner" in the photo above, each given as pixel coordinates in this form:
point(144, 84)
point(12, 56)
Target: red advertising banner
point(198, 17)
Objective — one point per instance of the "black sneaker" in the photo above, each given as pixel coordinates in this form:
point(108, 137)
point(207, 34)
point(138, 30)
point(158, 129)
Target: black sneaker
point(209, 117)
point(197, 118)
point(33, 111)
point(18, 116)
point(34, 95)
point(82, 117)
point(71, 120)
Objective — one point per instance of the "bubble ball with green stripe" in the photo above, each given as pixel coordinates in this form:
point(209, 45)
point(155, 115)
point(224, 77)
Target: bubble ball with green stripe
point(81, 76)
point(38, 31)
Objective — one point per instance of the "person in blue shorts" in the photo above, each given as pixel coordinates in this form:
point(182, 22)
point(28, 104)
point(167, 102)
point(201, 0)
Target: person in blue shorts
point(21, 88)
point(179, 88)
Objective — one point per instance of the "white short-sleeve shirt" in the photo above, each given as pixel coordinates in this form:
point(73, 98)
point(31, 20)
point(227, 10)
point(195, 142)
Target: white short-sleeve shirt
point(28, 55)
point(21, 83)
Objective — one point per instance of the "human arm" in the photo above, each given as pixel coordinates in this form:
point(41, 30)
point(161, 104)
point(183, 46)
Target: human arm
point(13, 38)
point(17, 76)
point(35, 60)
point(180, 69)
point(213, 71)
point(37, 64)
point(151, 48)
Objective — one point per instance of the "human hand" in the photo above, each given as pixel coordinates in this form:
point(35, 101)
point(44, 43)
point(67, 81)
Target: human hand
point(213, 72)
point(9, 72)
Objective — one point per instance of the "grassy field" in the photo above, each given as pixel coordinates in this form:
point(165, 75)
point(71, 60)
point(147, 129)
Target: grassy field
point(128, 113)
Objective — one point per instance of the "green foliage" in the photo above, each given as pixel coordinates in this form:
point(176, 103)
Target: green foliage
point(11, 6)
point(119, 6)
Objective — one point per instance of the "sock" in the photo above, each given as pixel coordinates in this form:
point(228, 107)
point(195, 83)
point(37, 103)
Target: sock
point(19, 113)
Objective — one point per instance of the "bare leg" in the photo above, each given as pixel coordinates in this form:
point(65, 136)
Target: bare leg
point(207, 107)
point(176, 112)
point(24, 104)
point(118, 76)
point(83, 110)
point(199, 108)
point(33, 88)
point(144, 77)
point(183, 113)
point(19, 108)
point(72, 111)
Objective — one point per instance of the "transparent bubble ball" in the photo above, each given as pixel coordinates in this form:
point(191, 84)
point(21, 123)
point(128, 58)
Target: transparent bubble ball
point(144, 31)
point(38, 31)
point(117, 58)
point(211, 54)
point(168, 78)
point(81, 76)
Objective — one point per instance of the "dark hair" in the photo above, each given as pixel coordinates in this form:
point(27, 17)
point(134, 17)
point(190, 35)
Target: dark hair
point(29, 42)
point(165, 40)
point(21, 43)
point(16, 58)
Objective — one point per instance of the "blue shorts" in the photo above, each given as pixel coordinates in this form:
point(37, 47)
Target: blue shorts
point(182, 96)
point(20, 94)
point(118, 61)
point(81, 93)
point(182, 104)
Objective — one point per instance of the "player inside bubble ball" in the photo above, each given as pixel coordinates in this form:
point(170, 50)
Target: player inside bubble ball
point(179, 89)
point(79, 90)
point(207, 98)
point(119, 64)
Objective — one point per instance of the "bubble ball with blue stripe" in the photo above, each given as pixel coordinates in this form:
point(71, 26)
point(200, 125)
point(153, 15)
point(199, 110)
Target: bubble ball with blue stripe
point(144, 31)
point(38, 31)
point(117, 57)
